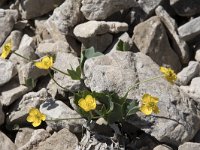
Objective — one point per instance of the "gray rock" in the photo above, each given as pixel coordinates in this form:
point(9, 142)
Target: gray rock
point(52, 48)
point(64, 139)
point(99, 42)
point(7, 71)
point(188, 73)
point(20, 111)
point(189, 146)
point(7, 21)
point(55, 109)
point(64, 18)
point(6, 143)
point(27, 41)
point(34, 8)
point(27, 52)
point(185, 7)
point(151, 39)
point(162, 147)
point(197, 55)
point(30, 71)
point(149, 6)
point(34, 139)
point(23, 136)
point(11, 95)
point(190, 30)
point(93, 28)
point(179, 45)
point(101, 9)
point(118, 71)
point(63, 62)
point(2, 115)
point(193, 90)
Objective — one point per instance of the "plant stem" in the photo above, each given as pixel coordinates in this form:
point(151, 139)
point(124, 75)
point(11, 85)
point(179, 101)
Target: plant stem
point(55, 69)
point(21, 56)
point(63, 119)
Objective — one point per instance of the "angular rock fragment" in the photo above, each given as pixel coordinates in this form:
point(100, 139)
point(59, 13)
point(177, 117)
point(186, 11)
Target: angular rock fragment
point(6, 143)
point(189, 146)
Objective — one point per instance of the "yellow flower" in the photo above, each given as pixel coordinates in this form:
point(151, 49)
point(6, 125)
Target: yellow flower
point(87, 104)
point(149, 104)
point(35, 116)
point(6, 49)
point(45, 63)
point(169, 74)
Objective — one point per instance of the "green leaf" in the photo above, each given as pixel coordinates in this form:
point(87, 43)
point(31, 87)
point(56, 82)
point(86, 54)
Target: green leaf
point(75, 74)
point(132, 108)
point(122, 46)
point(30, 82)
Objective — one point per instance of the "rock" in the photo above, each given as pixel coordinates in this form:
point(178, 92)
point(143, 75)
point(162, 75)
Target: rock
point(189, 146)
point(64, 18)
point(34, 8)
point(20, 111)
point(37, 136)
point(7, 21)
point(93, 28)
point(52, 48)
point(193, 90)
point(63, 62)
point(27, 52)
point(197, 55)
point(162, 147)
point(2, 115)
point(190, 30)
point(151, 39)
point(62, 140)
point(30, 71)
point(6, 143)
point(10, 96)
point(27, 41)
point(102, 9)
point(149, 6)
point(7, 71)
point(188, 73)
point(118, 71)
point(179, 45)
point(55, 109)
point(185, 7)
point(23, 136)
point(99, 42)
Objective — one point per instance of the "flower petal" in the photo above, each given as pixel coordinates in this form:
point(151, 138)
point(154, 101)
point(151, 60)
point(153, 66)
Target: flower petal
point(43, 117)
point(30, 118)
point(40, 65)
point(82, 103)
point(36, 123)
point(144, 109)
point(156, 110)
point(33, 111)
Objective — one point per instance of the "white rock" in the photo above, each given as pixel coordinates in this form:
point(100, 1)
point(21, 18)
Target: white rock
point(101, 9)
point(7, 71)
point(27, 41)
point(6, 143)
point(188, 73)
point(162, 147)
point(197, 55)
point(189, 146)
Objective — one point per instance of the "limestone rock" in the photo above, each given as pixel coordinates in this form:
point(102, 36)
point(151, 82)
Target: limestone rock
point(185, 7)
point(34, 8)
point(151, 39)
point(7, 21)
point(188, 73)
point(6, 143)
point(64, 139)
point(93, 28)
point(55, 109)
point(190, 30)
point(20, 111)
point(189, 146)
point(7, 71)
point(64, 18)
point(162, 147)
point(101, 9)
point(27, 41)
point(118, 71)
point(179, 45)
point(197, 55)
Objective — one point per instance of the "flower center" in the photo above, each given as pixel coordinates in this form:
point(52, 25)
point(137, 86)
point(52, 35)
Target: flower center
point(151, 104)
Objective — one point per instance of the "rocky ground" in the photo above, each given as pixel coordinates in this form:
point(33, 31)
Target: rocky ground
point(158, 32)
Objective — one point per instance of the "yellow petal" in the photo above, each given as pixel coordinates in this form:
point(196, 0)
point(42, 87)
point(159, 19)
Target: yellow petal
point(40, 65)
point(156, 110)
point(30, 118)
point(154, 99)
point(146, 98)
point(33, 111)
point(36, 123)
point(144, 109)
point(43, 117)
point(82, 103)
point(91, 102)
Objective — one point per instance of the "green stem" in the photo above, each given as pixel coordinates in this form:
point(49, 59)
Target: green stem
point(21, 56)
point(63, 119)
point(148, 80)
point(55, 69)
